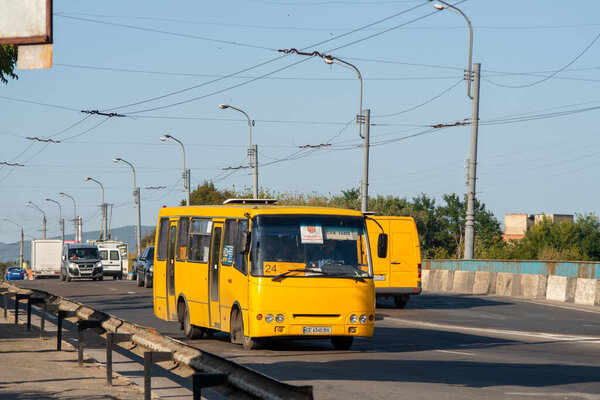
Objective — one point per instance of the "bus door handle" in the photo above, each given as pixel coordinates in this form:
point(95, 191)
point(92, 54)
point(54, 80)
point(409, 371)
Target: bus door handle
point(396, 262)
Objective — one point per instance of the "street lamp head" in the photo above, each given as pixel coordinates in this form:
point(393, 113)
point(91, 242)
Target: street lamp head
point(62, 194)
point(48, 199)
point(163, 138)
point(87, 178)
point(116, 159)
point(328, 60)
point(223, 106)
point(439, 6)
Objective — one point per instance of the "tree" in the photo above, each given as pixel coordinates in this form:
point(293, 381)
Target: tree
point(208, 194)
point(572, 241)
point(8, 59)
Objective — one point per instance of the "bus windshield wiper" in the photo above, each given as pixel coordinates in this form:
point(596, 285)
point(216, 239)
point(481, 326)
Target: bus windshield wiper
point(343, 275)
point(287, 273)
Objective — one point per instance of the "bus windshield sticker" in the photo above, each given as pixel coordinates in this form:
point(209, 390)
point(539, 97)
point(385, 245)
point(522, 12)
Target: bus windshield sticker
point(341, 233)
point(205, 255)
point(209, 227)
point(227, 258)
point(311, 234)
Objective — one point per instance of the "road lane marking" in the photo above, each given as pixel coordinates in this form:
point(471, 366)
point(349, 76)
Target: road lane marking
point(537, 335)
point(556, 305)
point(455, 352)
point(587, 396)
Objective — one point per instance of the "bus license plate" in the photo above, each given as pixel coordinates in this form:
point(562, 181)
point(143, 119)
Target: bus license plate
point(379, 278)
point(316, 329)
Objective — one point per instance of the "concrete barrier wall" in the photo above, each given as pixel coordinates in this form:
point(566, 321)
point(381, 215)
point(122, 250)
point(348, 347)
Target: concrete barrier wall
point(558, 281)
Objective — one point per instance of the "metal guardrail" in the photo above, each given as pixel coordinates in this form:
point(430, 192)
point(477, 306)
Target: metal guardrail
point(239, 378)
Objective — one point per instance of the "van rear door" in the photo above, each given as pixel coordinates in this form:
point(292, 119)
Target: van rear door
point(404, 253)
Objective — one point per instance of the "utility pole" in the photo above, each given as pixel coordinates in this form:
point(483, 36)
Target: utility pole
point(255, 167)
point(365, 181)
point(472, 175)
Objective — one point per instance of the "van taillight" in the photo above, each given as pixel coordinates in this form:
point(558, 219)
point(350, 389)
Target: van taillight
point(419, 269)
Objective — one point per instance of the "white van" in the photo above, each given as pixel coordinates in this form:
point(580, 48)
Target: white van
point(112, 255)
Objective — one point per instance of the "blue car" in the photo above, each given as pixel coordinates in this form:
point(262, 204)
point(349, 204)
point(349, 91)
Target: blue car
point(14, 273)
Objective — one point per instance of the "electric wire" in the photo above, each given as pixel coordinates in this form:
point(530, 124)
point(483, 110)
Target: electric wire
point(551, 75)
point(250, 68)
point(421, 104)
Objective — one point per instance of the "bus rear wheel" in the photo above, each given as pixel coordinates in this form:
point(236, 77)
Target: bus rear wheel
point(342, 342)
point(401, 300)
point(191, 331)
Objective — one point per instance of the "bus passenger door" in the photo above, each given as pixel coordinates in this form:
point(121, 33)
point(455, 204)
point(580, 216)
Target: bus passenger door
point(214, 309)
point(171, 301)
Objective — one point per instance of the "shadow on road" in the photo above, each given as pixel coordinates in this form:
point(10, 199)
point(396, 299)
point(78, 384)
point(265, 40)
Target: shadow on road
point(471, 374)
point(442, 302)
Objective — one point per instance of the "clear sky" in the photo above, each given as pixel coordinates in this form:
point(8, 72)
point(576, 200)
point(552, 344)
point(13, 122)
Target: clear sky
point(167, 67)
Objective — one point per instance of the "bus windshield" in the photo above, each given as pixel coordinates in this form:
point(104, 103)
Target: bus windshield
point(316, 246)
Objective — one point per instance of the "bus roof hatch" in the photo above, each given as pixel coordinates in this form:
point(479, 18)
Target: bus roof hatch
point(251, 201)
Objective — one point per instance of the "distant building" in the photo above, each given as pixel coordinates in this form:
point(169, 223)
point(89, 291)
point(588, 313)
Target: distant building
point(516, 225)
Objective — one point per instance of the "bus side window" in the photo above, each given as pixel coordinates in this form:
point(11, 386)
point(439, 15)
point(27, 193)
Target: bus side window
point(241, 260)
point(229, 235)
point(199, 248)
point(163, 232)
point(182, 238)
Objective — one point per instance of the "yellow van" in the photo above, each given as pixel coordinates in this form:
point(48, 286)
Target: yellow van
point(398, 274)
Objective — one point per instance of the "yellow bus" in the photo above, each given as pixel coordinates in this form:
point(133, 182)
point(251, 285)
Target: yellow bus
point(259, 271)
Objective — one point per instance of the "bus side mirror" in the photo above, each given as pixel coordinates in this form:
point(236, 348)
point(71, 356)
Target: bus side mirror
point(244, 243)
point(382, 245)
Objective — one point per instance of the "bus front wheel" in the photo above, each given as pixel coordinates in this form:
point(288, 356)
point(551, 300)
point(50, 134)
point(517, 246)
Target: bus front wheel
point(342, 342)
point(191, 331)
point(237, 332)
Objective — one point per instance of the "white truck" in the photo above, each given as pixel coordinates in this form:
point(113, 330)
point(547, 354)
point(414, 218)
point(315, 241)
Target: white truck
point(114, 255)
point(46, 258)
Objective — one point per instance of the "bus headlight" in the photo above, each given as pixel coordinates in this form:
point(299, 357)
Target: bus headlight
point(353, 318)
point(363, 319)
point(279, 318)
point(269, 318)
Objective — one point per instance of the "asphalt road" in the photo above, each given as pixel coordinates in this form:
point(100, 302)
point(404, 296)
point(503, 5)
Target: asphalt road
point(440, 347)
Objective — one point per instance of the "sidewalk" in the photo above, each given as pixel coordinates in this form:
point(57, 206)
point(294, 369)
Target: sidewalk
point(31, 368)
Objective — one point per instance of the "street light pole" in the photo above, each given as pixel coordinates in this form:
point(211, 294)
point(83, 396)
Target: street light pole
point(136, 199)
point(21, 247)
point(104, 222)
point(35, 207)
point(361, 118)
point(75, 219)
point(61, 222)
point(252, 150)
point(186, 172)
point(472, 174)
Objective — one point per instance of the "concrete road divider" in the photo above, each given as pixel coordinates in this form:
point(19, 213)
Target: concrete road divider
point(558, 281)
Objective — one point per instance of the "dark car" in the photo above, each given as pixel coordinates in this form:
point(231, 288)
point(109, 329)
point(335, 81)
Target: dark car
point(14, 273)
point(144, 267)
